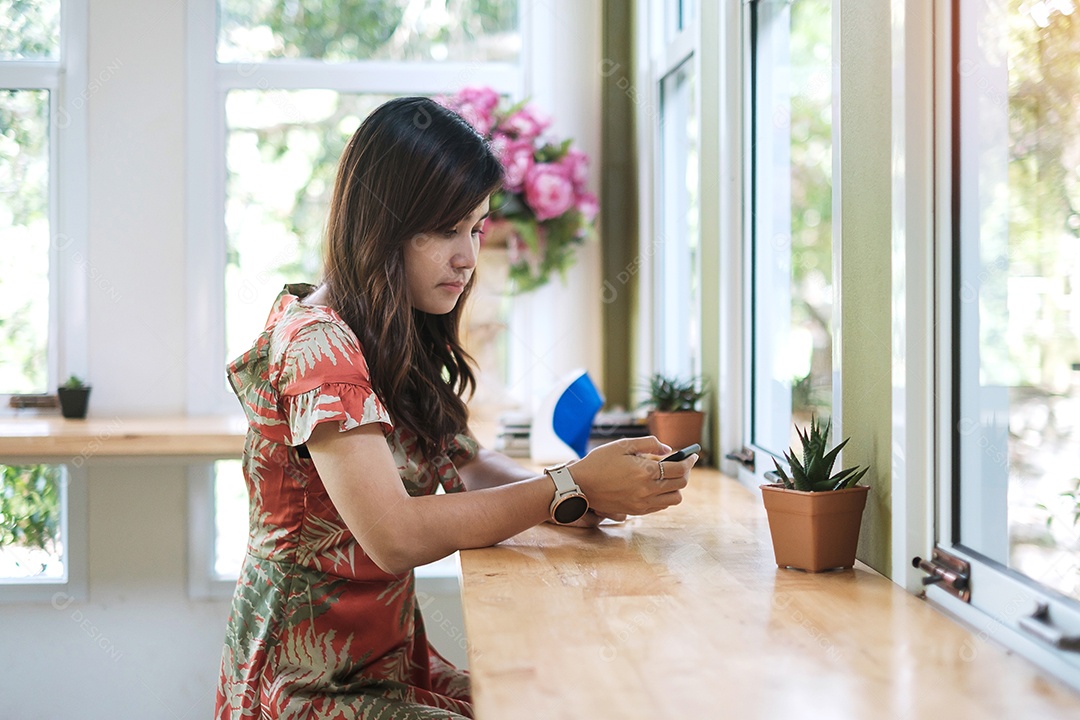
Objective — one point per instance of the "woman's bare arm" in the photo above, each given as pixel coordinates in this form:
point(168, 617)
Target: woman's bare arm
point(400, 532)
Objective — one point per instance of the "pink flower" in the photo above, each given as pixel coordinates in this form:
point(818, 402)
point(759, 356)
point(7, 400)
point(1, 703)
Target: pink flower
point(476, 105)
point(588, 206)
point(483, 98)
point(473, 115)
point(577, 165)
point(526, 124)
point(549, 191)
point(516, 157)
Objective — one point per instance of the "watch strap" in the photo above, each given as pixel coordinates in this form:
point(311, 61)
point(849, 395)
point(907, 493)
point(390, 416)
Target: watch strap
point(564, 481)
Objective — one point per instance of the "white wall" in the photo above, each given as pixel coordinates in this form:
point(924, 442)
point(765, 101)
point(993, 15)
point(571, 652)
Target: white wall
point(558, 327)
point(137, 646)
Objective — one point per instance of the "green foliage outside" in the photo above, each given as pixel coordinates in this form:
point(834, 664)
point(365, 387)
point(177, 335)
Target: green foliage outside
point(30, 506)
point(810, 125)
point(365, 29)
point(24, 239)
point(29, 29)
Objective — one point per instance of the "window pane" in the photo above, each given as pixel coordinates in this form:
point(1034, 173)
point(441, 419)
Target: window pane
point(1017, 304)
point(678, 16)
point(283, 151)
point(792, 225)
point(29, 29)
point(230, 518)
point(24, 240)
point(32, 500)
point(431, 30)
point(677, 291)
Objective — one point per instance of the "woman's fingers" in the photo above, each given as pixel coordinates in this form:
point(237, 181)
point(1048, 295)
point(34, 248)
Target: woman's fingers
point(620, 478)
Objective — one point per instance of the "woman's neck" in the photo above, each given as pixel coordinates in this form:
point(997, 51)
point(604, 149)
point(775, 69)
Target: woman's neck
point(318, 296)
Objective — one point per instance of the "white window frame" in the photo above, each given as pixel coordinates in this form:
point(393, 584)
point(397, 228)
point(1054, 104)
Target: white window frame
point(1000, 599)
point(69, 86)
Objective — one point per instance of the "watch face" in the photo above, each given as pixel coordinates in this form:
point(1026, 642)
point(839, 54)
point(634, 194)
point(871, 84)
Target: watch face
point(571, 509)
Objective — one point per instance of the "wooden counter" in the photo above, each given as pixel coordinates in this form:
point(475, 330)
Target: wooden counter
point(684, 614)
point(45, 437)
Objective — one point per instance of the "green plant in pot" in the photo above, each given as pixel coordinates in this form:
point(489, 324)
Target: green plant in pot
point(815, 515)
point(675, 419)
point(74, 397)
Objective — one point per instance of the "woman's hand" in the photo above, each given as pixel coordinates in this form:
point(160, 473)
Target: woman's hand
point(623, 478)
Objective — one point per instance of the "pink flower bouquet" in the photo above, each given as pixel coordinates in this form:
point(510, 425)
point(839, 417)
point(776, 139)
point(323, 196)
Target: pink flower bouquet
point(544, 204)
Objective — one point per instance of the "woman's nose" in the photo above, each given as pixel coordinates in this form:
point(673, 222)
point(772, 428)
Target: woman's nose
point(465, 251)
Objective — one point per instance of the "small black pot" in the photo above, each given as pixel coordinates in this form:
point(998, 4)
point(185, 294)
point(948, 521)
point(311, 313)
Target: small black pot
point(73, 401)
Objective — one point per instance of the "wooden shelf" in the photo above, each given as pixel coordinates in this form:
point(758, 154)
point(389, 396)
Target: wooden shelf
point(684, 614)
point(55, 438)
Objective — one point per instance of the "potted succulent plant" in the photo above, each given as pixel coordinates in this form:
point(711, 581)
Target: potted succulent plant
point(74, 395)
point(675, 419)
point(814, 516)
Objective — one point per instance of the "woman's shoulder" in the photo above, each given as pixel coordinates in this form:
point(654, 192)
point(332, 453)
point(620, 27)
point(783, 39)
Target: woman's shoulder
point(310, 345)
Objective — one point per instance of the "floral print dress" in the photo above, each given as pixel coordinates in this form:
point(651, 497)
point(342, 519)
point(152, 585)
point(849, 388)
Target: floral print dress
point(316, 629)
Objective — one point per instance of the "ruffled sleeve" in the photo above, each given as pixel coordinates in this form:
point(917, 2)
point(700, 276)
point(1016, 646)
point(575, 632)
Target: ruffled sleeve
point(324, 378)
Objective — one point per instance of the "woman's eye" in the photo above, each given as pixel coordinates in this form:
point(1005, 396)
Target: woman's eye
point(450, 233)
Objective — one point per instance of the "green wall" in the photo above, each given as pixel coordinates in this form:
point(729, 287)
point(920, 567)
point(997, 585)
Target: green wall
point(865, 302)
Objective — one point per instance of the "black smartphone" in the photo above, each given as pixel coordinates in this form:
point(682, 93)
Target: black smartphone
point(682, 454)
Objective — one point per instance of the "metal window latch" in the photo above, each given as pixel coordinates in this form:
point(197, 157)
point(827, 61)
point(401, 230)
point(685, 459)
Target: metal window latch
point(745, 456)
point(1040, 626)
point(948, 570)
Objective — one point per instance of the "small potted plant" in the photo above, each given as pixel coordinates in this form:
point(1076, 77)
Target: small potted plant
point(675, 419)
point(814, 516)
point(74, 395)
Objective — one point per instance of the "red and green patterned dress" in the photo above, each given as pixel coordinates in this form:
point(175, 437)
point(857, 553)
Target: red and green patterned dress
point(317, 630)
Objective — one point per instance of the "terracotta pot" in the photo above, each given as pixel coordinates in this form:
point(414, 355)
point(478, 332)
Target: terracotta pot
point(814, 531)
point(677, 429)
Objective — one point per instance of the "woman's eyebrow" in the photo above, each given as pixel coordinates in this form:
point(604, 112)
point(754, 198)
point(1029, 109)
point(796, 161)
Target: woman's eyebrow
point(484, 216)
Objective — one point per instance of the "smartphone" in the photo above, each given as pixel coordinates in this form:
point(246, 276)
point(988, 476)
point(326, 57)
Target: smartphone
point(682, 454)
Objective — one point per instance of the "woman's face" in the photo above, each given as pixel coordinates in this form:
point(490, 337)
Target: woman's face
point(438, 265)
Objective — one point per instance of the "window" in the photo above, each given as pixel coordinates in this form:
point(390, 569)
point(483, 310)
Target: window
point(218, 527)
point(276, 89)
point(30, 74)
point(31, 522)
point(43, 92)
point(677, 286)
point(790, 288)
point(42, 532)
point(673, 253)
point(1012, 349)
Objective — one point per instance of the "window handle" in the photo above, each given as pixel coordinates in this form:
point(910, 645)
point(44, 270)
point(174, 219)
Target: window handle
point(1039, 625)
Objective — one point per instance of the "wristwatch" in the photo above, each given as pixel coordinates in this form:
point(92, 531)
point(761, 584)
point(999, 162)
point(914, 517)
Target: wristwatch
point(569, 503)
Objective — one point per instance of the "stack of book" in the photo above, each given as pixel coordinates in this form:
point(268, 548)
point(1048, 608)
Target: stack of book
point(514, 429)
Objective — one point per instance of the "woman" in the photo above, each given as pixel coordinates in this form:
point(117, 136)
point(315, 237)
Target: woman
point(354, 397)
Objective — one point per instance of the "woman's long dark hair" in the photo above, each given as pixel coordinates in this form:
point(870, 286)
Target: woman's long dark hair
point(412, 167)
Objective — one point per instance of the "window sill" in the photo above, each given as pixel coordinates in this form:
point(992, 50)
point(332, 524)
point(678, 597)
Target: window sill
point(53, 438)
